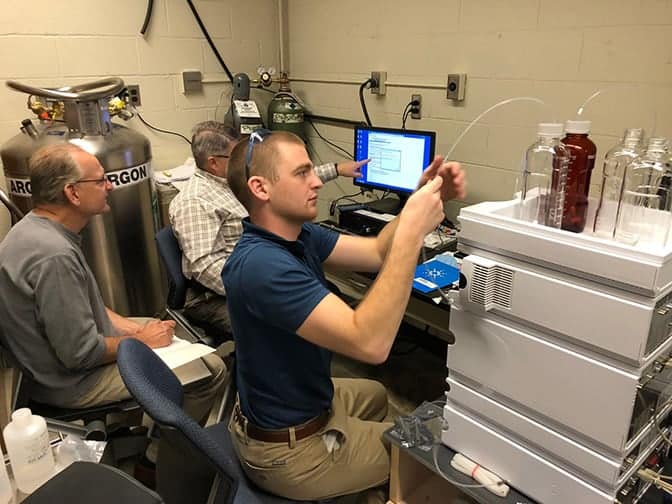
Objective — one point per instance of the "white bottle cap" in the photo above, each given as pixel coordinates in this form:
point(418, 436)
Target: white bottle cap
point(550, 130)
point(22, 416)
point(579, 127)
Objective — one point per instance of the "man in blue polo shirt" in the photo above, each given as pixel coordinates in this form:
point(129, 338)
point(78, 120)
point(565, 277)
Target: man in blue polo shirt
point(299, 433)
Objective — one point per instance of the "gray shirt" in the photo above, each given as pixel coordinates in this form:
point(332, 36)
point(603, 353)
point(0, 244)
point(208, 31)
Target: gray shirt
point(52, 316)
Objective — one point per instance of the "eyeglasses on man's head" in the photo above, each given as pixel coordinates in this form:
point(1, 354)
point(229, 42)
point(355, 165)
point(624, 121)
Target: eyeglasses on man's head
point(256, 137)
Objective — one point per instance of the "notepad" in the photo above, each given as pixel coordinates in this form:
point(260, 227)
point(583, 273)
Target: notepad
point(180, 352)
point(434, 275)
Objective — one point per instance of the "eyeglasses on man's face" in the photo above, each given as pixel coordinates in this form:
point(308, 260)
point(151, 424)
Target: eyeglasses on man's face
point(256, 137)
point(224, 156)
point(98, 181)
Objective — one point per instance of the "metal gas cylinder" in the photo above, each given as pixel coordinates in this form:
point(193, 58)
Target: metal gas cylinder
point(285, 112)
point(118, 245)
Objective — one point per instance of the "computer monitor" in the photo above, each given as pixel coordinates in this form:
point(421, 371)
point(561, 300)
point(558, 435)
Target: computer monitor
point(398, 158)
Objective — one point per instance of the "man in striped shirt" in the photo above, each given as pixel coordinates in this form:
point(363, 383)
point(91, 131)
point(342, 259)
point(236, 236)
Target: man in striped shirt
point(207, 221)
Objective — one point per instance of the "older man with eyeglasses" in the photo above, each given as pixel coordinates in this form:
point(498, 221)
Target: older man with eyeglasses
point(299, 433)
point(52, 317)
point(207, 220)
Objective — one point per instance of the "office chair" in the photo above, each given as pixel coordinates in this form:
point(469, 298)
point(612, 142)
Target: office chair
point(86, 482)
point(16, 386)
point(93, 418)
point(194, 463)
point(178, 284)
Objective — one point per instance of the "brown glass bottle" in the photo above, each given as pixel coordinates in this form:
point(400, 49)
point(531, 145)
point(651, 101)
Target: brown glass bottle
point(582, 160)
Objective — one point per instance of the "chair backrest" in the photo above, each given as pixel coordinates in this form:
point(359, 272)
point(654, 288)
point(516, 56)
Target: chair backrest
point(159, 392)
point(84, 482)
point(171, 255)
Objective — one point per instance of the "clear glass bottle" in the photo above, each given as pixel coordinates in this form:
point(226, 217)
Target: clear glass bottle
point(542, 186)
point(29, 451)
point(644, 214)
point(582, 152)
point(613, 176)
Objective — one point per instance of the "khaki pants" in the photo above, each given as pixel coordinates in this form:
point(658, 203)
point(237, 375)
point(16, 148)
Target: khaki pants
point(307, 470)
point(198, 396)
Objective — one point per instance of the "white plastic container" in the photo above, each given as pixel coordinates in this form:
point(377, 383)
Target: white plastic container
point(29, 452)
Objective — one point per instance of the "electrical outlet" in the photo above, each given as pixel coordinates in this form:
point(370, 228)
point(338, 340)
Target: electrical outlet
point(192, 81)
point(378, 87)
point(134, 95)
point(456, 86)
point(416, 110)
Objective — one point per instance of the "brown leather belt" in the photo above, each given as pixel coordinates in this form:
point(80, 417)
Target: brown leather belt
point(282, 435)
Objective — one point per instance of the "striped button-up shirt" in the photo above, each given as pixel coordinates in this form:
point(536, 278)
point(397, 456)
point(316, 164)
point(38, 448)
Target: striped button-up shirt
point(207, 219)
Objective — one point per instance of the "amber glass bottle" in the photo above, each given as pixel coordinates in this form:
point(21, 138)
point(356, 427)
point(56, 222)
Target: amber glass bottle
point(582, 152)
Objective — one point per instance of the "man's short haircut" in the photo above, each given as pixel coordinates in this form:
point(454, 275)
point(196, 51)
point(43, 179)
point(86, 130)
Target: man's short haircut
point(208, 138)
point(262, 163)
point(51, 168)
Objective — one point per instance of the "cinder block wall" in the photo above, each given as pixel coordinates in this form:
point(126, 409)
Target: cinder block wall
point(561, 52)
point(49, 44)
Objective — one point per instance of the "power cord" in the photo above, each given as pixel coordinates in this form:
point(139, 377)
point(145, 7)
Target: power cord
point(329, 142)
point(404, 115)
point(135, 111)
point(208, 38)
point(349, 197)
point(367, 83)
point(148, 17)
point(410, 108)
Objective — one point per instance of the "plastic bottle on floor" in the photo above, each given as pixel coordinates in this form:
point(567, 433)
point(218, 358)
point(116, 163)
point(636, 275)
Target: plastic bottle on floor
point(27, 442)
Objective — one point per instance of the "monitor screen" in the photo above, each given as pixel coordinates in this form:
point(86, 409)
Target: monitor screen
point(398, 157)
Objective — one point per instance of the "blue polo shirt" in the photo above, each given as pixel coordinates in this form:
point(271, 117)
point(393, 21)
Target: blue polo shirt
point(272, 286)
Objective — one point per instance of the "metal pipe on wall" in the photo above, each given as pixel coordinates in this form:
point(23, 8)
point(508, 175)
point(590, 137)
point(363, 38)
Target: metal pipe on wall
point(357, 83)
point(282, 35)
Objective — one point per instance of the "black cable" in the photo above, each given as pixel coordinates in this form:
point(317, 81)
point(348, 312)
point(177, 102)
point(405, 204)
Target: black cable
point(148, 16)
point(210, 42)
point(404, 114)
point(362, 102)
point(333, 120)
point(348, 197)
point(161, 130)
point(330, 143)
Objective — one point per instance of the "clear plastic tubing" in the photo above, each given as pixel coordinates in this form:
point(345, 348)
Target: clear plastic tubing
point(482, 114)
